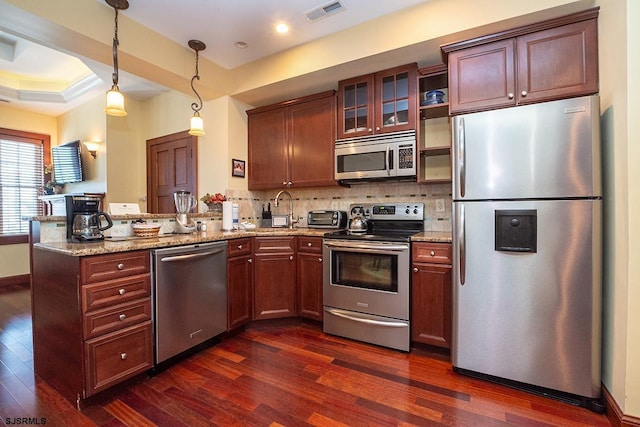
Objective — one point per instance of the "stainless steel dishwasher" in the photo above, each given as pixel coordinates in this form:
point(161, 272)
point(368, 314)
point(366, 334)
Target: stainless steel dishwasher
point(190, 296)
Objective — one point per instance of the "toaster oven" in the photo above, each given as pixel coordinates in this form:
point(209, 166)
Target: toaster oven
point(327, 219)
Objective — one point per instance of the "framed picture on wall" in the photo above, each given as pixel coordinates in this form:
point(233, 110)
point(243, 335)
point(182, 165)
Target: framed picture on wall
point(237, 168)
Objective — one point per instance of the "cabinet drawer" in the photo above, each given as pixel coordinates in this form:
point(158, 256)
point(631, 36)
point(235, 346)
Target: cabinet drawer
point(238, 247)
point(113, 266)
point(110, 319)
point(439, 253)
point(310, 244)
point(117, 356)
point(274, 244)
point(99, 295)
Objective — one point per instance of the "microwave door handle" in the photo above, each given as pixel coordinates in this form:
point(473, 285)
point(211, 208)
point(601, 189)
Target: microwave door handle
point(389, 160)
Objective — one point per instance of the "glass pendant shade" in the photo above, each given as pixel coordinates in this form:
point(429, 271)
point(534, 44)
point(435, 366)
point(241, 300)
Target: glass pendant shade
point(115, 103)
point(197, 125)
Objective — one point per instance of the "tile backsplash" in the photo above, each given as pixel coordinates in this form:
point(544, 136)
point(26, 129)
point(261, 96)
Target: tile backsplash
point(339, 198)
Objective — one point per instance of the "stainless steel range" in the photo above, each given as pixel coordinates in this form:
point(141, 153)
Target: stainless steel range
point(366, 276)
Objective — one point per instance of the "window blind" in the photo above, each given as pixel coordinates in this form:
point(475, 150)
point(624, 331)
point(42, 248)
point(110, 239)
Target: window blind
point(21, 182)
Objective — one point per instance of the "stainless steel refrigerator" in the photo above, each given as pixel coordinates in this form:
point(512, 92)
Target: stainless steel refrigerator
point(527, 243)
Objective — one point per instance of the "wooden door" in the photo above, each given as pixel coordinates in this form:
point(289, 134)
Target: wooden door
point(171, 166)
point(482, 77)
point(268, 149)
point(311, 135)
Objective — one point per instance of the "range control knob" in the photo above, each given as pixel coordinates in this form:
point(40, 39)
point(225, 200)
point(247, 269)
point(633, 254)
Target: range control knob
point(407, 211)
point(415, 211)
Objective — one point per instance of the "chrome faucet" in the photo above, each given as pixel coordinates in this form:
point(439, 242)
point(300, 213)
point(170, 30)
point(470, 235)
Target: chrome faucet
point(277, 201)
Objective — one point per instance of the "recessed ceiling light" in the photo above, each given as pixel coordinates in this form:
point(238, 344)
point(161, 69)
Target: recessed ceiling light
point(282, 28)
point(241, 45)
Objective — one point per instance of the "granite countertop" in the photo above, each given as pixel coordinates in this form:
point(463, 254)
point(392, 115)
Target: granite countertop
point(124, 244)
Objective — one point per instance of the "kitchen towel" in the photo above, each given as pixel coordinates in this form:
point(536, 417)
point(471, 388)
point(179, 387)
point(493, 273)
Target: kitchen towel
point(227, 216)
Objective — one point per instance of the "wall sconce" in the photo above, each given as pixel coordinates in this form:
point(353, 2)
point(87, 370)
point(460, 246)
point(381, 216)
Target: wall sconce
point(115, 99)
point(92, 147)
point(197, 126)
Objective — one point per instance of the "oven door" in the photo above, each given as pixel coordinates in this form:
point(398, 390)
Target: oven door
point(367, 277)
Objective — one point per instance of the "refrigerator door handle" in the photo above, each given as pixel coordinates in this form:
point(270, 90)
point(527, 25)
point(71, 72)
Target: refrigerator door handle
point(461, 245)
point(460, 140)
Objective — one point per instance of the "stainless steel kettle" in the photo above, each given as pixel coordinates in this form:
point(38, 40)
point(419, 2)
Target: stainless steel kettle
point(358, 222)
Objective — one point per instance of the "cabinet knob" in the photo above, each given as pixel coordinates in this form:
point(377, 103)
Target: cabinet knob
point(120, 266)
point(284, 182)
point(289, 183)
point(121, 291)
point(370, 130)
point(319, 259)
point(291, 258)
point(510, 95)
point(523, 93)
point(250, 261)
point(239, 246)
point(309, 244)
point(433, 253)
point(377, 127)
point(415, 269)
point(122, 316)
point(123, 356)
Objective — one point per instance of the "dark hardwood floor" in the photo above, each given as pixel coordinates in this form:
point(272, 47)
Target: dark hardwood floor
point(271, 375)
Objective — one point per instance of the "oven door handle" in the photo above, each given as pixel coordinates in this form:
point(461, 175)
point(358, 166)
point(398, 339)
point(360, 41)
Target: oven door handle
point(345, 315)
point(367, 247)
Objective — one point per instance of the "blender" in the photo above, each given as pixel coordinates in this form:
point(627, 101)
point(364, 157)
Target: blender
point(184, 201)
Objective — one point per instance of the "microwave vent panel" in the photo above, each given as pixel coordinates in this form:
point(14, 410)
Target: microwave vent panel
point(324, 10)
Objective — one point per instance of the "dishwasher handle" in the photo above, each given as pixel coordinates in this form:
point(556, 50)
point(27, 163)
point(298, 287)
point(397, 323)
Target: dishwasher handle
point(190, 256)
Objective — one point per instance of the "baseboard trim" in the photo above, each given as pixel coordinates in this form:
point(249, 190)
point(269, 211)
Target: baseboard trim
point(23, 280)
point(615, 415)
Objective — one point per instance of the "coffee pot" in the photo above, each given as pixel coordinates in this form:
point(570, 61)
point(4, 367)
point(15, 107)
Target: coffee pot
point(85, 220)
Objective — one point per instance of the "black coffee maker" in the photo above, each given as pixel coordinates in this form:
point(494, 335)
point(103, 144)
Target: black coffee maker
point(84, 219)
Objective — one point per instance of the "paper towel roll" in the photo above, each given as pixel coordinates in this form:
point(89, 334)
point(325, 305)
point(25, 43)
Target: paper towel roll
point(227, 216)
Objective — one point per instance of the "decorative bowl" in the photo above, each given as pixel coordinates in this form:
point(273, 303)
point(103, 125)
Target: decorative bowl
point(433, 97)
point(143, 229)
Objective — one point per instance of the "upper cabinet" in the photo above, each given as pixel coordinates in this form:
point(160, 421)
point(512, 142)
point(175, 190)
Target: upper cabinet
point(378, 103)
point(544, 61)
point(291, 143)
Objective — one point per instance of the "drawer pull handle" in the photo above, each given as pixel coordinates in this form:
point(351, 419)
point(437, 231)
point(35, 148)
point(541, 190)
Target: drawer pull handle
point(433, 253)
point(123, 356)
point(122, 316)
point(121, 291)
point(120, 266)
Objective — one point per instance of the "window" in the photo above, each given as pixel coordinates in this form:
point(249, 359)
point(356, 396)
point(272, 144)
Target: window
point(22, 159)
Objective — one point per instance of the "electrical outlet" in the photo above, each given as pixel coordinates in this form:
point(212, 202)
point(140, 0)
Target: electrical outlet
point(439, 205)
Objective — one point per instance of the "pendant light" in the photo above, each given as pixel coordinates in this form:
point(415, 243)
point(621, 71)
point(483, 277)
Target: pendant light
point(197, 126)
point(115, 100)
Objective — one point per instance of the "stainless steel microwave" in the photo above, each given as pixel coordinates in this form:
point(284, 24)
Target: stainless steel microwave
point(383, 156)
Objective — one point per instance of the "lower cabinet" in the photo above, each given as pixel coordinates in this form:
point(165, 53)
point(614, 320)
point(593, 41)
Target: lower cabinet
point(309, 277)
point(239, 283)
point(431, 289)
point(274, 278)
point(91, 320)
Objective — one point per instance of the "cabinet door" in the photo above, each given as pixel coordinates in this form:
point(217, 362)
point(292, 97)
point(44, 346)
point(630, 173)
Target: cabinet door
point(268, 150)
point(312, 134)
point(309, 272)
point(431, 304)
point(482, 77)
point(395, 99)
point(240, 285)
point(274, 286)
point(355, 106)
point(558, 63)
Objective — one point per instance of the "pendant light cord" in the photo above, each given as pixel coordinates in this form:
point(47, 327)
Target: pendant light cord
point(116, 43)
point(195, 106)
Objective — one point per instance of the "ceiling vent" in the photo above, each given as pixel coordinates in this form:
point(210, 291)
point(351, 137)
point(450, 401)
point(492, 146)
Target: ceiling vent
point(324, 11)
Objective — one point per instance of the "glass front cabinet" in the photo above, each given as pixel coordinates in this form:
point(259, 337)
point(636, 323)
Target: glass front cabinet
point(378, 103)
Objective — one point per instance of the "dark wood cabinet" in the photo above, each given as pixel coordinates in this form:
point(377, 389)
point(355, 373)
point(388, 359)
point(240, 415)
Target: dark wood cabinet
point(91, 320)
point(274, 278)
point(540, 62)
point(239, 282)
point(431, 305)
point(377, 103)
point(291, 143)
point(309, 277)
